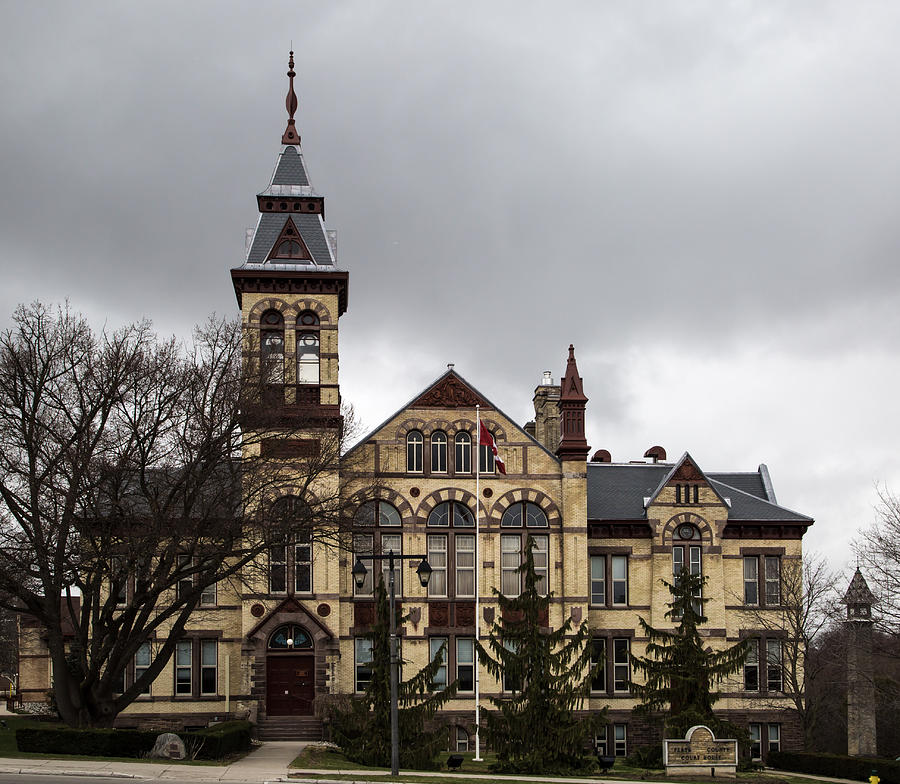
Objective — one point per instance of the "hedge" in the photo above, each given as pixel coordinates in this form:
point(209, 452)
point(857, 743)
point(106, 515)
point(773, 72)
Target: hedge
point(836, 765)
point(218, 741)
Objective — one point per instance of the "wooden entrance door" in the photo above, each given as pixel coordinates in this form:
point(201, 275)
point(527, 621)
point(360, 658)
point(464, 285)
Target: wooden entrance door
point(290, 685)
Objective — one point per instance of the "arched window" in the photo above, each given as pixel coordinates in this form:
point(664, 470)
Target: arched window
point(687, 554)
point(308, 348)
point(456, 511)
point(384, 516)
point(439, 452)
point(463, 444)
point(486, 458)
point(452, 555)
point(414, 443)
point(380, 512)
point(289, 637)
point(272, 346)
point(524, 513)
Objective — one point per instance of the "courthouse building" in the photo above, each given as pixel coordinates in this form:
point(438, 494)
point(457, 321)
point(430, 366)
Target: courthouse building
point(606, 532)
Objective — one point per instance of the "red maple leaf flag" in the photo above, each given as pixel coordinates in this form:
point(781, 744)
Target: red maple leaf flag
point(486, 439)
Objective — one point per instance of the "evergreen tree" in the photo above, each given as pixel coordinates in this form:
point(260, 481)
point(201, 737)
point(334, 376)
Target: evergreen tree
point(679, 670)
point(538, 729)
point(363, 730)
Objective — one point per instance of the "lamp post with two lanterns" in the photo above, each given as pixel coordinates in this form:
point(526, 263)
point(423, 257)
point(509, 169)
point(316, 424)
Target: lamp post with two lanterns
point(359, 573)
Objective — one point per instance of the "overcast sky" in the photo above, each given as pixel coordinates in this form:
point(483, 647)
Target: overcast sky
point(701, 196)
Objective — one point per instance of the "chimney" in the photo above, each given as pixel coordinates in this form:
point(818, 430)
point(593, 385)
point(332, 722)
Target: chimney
point(546, 413)
point(572, 401)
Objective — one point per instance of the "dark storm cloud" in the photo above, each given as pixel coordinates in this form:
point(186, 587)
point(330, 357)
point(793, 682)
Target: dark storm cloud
point(701, 196)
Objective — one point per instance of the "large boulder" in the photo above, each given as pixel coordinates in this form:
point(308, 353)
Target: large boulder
point(168, 746)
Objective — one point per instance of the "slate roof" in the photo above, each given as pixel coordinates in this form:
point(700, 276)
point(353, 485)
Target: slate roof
point(290, 169)
point(311, 228)
point(616, 491)
point(858, 592)
point(289, 179)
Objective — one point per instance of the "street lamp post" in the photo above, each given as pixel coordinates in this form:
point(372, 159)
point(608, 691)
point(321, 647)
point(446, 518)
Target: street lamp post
point(359, 573)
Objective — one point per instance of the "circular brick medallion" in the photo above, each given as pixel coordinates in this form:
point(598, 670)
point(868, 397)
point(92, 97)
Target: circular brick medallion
point(414, 492)
point(487, 493)
point(324, 610)
point(257, 610)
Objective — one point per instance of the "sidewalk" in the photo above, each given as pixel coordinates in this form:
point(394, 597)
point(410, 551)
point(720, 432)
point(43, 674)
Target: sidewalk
point(267, 763)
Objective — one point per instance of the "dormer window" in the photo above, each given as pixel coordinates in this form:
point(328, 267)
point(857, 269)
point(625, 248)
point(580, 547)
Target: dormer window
point(289, 249)
point(687, 494)
point(289, 244)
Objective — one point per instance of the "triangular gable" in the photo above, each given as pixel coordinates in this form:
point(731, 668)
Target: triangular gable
point(449, 391)
point(290, 604)
point(684, 470)
point(458, 393)
point(290, 233)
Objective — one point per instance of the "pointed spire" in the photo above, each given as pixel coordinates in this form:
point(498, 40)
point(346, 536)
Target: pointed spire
point(290, 135)
point(572, 444)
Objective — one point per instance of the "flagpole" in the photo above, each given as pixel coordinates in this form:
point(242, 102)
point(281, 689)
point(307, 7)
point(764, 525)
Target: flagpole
point(477, 587)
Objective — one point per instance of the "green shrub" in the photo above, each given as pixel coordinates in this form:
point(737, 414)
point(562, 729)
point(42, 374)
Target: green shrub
point(220, 740)
point(646, 757)
point(92, 743)
point(217, 741)
point(858, 768)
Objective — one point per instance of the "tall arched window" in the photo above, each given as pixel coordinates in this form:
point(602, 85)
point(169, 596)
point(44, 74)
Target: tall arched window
point(523, 515)
point(308, 348)
point(451, 555)
point(272, 346)
point(414, 443)
point(382, 517)
point(463, 455)
point(439, 452)
point(290, 560)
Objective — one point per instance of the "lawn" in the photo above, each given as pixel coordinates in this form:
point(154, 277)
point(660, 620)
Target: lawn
point(325, 758)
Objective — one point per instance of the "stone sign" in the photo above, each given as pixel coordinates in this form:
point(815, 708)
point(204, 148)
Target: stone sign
point(168, 746)
point(700, 754)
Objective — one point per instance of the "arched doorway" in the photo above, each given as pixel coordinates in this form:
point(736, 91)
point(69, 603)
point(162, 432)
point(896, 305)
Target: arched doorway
point(290, 672)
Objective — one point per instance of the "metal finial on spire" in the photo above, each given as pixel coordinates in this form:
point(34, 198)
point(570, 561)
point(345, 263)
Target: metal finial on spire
point(290, 135)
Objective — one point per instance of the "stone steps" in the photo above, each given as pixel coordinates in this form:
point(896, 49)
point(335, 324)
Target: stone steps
point(289, 728)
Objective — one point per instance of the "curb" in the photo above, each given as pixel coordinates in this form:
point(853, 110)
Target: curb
point(52, 772)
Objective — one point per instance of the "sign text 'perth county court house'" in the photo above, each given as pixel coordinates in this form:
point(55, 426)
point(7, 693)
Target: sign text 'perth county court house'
point(700, 753)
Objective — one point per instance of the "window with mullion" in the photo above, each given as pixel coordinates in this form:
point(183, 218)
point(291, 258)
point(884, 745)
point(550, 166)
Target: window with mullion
point(465, 565)
point(598, 660)
point(751, 666)
point(303, 563)
point(414, 446)
point(751, 580)
point(392, 542)
point(184, 683)
point(364, 545)
point(773, 580)
point(621, 664)
point(510, 554)
point(185, 582)
point(278, 569)
point(208, 666)
point(773, 665)
point(465, 664)
point(363, 663)
point(437, 559)
point(142, 662)
point(598, 580)
point(463, 453)
point(439, 645)
point(439, 452)
point(619, 580)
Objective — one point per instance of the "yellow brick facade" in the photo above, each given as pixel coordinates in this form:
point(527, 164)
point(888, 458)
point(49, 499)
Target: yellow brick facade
point(626, 515)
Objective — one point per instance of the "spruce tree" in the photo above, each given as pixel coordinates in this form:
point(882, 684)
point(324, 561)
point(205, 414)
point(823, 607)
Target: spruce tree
point(539, 728)
point(363, 730)
point(679, 670)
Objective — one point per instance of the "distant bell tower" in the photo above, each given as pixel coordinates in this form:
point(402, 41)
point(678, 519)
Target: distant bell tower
point(291, 294)
point(860, 673)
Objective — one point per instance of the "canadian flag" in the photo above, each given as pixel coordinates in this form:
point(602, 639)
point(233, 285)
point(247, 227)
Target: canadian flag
point(486, 439)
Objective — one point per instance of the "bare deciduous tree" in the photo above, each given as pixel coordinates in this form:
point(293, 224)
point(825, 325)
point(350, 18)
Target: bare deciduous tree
point(878, 550)
point(138, 473)
point(808, 606)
